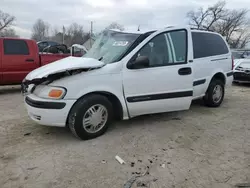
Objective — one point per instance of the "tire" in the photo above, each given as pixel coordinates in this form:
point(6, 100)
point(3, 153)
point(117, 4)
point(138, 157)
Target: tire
point(209, 99)
point(81, 110)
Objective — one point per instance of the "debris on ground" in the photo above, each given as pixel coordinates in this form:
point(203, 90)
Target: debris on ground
point(27, 134)
point(119, 159)
point(243, 185)
point(163, 165)
point(104, 162)
point(142, 184)
point(131, 181)
point(176, 118)
point(32, 168)
point(132, 164)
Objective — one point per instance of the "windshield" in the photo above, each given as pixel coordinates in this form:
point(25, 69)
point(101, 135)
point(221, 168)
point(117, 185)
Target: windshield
point(111, 45)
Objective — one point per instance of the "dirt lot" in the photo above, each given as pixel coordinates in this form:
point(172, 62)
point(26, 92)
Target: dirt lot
point(202, 147)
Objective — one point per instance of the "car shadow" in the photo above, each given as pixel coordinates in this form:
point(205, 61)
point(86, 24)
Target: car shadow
point(9, 89)
point(241, 84)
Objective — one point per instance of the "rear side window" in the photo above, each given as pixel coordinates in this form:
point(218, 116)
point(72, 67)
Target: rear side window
point(15, 47)
point(208, 44)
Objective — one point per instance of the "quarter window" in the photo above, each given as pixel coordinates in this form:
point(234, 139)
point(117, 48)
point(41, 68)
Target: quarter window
point(166, 49)
point(15, 47)
point(208, 44)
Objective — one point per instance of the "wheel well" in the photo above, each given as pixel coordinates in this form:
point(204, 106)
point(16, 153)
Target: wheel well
point(118, 111)
point(219, 76)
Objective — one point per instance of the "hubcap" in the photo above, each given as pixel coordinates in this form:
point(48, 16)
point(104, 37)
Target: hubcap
point(95, 118)
point(217, 93)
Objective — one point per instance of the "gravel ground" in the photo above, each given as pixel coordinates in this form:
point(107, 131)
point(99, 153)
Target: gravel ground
point(202, 147)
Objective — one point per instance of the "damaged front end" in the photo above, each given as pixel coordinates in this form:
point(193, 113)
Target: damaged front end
point(59, 69)
point(28, 86)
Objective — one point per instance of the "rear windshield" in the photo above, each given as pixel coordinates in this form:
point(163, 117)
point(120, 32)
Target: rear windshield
point(208, 44)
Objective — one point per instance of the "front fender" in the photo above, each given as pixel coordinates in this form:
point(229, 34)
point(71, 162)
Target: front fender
point(108, 83)
point(109, 90)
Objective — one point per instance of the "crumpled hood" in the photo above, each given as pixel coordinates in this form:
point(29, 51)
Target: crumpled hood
point(244, 63)
point(68, 63)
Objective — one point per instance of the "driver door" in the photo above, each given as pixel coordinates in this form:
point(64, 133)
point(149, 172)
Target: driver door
point(166, 84)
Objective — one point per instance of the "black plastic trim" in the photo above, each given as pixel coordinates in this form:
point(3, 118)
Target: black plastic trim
point(219, 59)
point(45, 105)
point(230, 73)
point(199, 82)
point(160, 96)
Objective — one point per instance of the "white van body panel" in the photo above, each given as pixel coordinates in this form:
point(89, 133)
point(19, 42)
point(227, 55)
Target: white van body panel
point(140, 91)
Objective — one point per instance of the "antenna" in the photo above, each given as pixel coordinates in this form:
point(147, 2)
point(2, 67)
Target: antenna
point(138, 28)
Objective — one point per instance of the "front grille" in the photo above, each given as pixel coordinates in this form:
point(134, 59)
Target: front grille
point(241, 76)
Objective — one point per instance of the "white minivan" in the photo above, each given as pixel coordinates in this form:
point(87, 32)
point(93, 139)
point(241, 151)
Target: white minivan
point(127, 74)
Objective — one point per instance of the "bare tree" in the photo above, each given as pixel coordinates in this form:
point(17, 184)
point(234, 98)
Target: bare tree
point(74, 34)
point(6, 20)
point(233, 24)
point(40, 30)
point(8, 33)
point(115, 25)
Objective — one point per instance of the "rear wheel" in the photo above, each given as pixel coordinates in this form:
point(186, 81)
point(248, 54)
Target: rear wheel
point(90, 117)
point(215, 93)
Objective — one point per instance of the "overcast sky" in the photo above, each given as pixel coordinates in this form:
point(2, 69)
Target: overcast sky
point(150, 14)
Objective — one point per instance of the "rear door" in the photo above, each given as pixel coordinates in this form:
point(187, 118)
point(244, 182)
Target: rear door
point(19, 57)
point(167, 84)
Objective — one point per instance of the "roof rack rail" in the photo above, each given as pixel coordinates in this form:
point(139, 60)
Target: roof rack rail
point(169, 26)
point(193, 28)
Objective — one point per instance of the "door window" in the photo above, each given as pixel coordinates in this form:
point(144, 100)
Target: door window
point(15, 47)
point(166, 49)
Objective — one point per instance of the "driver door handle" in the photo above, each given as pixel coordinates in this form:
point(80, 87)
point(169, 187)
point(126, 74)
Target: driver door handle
point(185, 71)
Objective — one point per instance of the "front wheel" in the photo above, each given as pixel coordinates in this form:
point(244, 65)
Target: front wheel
point(215, 93)
point(90, 117)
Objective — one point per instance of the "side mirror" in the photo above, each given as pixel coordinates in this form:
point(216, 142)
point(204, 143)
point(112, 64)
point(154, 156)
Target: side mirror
point(140, 62)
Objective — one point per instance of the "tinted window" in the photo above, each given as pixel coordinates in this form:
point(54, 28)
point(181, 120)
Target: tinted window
point(207, 44)
point(15, 47)
point(166, 49)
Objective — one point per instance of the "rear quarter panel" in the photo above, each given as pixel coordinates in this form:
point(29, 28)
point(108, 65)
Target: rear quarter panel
point(205, 68)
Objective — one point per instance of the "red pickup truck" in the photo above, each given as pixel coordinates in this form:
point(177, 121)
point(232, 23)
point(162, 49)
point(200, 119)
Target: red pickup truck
point(20, 56)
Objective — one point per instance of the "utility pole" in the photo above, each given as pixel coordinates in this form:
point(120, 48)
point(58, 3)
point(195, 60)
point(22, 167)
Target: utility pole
point(63, 34)
point(91, 33)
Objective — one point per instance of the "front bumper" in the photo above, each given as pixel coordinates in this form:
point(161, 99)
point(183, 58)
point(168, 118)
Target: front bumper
point(242, 77)
point(48, 112)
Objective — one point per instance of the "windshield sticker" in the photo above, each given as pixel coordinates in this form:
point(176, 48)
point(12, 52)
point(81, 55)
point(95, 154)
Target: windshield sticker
point(120, 43)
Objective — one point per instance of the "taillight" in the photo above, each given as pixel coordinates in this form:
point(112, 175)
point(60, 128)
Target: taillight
point(232, 62)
